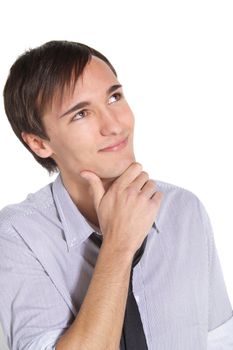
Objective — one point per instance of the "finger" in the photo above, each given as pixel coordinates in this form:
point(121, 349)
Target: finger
point(157, 197)
point(129, 175)
point(140, 181)
point(149, 189)
point(96, 185)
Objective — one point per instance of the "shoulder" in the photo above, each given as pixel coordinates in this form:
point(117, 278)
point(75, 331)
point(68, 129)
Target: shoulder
point(180, 204)
point(40, 201)
point(177, 193)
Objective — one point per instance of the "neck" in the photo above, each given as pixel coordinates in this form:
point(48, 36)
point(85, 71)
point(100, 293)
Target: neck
point(80, 194)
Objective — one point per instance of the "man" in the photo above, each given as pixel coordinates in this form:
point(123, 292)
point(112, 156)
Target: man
point(82, 263)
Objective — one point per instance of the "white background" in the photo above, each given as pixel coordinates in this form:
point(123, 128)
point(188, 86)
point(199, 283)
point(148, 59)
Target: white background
point(174, 59)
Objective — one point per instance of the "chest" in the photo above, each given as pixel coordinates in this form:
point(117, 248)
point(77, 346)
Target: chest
point(170, 285)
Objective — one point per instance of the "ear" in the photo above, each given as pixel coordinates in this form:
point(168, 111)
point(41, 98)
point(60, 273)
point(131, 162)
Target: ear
point(37, 145)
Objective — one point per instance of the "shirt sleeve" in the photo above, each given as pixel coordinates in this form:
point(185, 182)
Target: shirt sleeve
point(32, 312)
point(221, 338)
point(220, 324)
point(47, 341)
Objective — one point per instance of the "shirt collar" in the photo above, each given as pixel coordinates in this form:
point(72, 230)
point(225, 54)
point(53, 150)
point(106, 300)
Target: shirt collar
point(76, 227)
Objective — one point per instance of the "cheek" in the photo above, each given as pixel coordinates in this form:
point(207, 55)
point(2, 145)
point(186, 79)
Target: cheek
point(128, 117)
point(77, 141)
point(128, 110)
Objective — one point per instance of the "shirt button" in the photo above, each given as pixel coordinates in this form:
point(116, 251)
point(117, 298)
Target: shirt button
point(73, 241)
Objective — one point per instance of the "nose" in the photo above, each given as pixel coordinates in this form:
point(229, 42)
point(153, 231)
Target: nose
point(109, 122)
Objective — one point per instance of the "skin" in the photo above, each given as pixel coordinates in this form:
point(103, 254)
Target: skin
point(75, 139)
point(114, 194)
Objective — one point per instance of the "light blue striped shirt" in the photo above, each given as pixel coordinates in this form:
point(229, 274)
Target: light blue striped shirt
point(47, 262)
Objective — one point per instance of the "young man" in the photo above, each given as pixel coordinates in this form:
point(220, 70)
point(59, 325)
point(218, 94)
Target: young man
point(82, 263)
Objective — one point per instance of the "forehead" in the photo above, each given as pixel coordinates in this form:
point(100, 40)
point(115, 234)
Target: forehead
point(95, 75)
point(95, 79)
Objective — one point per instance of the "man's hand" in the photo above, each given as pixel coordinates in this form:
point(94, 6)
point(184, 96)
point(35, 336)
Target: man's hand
point(127, 210)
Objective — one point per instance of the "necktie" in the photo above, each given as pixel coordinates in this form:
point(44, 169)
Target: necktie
point(132, 337)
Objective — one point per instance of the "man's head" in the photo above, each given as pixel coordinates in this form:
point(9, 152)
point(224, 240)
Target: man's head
point(42, 101)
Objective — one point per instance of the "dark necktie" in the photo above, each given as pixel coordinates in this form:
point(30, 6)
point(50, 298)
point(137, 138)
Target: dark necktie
point(132, 337)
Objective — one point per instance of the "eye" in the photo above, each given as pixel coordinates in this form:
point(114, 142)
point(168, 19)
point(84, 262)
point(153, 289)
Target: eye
point(115, 97)
point(79, 115)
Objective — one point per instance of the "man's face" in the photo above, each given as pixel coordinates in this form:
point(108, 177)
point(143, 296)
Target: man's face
point(77, 137)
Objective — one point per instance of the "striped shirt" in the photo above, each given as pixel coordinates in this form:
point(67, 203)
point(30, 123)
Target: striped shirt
point(47, 262)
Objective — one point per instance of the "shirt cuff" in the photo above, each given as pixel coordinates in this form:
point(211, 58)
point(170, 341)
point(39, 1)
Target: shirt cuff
point(221, 338)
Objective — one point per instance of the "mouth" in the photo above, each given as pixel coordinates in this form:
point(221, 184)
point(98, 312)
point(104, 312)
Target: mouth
point(117, 147)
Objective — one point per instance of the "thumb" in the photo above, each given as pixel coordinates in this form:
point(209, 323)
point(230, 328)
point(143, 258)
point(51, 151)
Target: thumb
point(96, 185)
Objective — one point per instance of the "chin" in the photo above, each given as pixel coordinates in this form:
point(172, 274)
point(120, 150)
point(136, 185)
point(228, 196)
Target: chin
point(117, 170)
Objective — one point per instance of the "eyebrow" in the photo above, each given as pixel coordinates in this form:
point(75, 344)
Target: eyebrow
point(86, 103)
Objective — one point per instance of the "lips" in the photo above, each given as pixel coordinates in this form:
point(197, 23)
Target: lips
point(116, 146)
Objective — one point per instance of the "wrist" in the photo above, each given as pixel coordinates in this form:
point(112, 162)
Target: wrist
point(115, 251)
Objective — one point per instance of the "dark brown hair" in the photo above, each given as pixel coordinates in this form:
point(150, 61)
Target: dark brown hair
point(35, 78)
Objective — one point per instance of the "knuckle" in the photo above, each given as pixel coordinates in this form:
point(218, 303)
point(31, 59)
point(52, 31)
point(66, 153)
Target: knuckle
point(158, 196)
point(131, 190)
point(145, 174)
point(138, 165)
point(143, 196)
point(117, 186)
point(152, 182)
point(150, 185)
